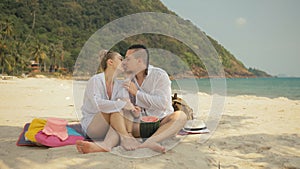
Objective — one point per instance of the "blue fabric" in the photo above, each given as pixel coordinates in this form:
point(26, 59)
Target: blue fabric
point(72, 132)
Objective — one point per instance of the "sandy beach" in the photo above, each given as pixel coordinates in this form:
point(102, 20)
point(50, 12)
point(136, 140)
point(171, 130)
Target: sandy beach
point(254, 132)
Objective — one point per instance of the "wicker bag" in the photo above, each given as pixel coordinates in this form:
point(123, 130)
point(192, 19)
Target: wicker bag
point(180, 104)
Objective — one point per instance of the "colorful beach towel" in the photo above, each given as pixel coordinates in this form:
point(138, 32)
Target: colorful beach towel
point(22, 141)
point(55, 141)
point(35, 126)
point(77, 128)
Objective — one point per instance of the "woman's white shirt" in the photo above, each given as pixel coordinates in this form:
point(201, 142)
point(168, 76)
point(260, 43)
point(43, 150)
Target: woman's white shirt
point(96, 99)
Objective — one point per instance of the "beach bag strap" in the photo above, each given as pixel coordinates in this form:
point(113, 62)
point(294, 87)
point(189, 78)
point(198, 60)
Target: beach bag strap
point(179, 104)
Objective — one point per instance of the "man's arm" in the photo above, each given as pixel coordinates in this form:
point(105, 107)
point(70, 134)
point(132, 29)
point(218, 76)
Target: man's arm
point(159, 97)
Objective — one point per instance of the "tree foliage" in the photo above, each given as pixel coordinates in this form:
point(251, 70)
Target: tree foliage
point(52, 34)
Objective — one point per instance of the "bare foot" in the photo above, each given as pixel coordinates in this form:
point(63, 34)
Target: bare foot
point(153, 146)
point(129, 143)
point(90, 147)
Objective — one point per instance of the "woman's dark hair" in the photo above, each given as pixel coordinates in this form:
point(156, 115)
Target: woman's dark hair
point(139, 46)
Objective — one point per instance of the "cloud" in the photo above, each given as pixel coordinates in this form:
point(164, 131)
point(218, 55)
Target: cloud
point(240, 21)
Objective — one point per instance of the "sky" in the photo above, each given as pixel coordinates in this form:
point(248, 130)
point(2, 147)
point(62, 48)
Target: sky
point(263, 34)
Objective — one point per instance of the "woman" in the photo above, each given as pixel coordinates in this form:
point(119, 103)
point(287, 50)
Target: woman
point(103, 104)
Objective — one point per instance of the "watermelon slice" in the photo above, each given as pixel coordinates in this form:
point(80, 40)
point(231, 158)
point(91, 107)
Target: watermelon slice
point(149, 119)
point(148, 126)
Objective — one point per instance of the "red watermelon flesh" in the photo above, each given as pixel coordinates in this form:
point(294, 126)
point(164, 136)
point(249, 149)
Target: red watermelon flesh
point(149, 119)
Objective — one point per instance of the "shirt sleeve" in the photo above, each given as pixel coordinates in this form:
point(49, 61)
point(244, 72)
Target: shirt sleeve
point(108, 106)
point(97, 95)
point(158, 98)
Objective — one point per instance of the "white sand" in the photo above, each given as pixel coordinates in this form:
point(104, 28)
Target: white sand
point(254, 132)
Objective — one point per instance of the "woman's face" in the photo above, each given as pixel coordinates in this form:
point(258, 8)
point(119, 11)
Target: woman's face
point(116, 62)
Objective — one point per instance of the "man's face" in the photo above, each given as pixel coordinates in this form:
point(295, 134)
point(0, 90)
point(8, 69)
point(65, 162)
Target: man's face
point(131, 64)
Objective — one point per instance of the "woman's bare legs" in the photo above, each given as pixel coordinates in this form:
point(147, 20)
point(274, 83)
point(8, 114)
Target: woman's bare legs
point(118, 122)
point(116, 133)
point(98, 130)
point(110, 141)
point(128, 119)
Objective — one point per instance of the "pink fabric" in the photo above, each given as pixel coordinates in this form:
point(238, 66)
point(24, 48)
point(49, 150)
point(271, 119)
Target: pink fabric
point(54, 141)
point(57, 127)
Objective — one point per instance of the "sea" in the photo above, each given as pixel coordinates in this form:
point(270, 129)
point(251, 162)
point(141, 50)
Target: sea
point(262, 87)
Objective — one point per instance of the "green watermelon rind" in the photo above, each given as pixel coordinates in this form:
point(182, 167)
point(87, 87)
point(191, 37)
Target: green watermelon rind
point(148, 128)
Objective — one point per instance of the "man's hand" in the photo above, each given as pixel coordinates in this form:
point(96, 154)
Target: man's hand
point(131, 87)
point(136, 111)
point(128, 105)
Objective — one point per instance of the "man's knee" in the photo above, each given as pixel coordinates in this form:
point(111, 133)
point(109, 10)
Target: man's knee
point(179, 117)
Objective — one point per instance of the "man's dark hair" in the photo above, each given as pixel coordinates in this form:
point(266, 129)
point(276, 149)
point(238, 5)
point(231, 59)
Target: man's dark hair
point(139, 46)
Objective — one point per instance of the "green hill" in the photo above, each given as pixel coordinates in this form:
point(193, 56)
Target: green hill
point(52, 34)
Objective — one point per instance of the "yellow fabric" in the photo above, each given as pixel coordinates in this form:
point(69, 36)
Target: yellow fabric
point(35, 126)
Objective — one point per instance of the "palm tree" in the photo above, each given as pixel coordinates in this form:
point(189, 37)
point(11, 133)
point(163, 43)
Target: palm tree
point(53, 56)
point(8, 30)
point(40, 56)
point(21, 61)
point(60, 49)
point(4, 63)
point(56, 54)
point(2, 48)
point(6, 34)
point(44, 59)
point(6, 58)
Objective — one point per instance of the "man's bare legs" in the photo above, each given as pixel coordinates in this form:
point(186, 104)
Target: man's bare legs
point(169, 127)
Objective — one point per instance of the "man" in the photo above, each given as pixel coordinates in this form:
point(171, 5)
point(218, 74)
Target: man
point(151, 90)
